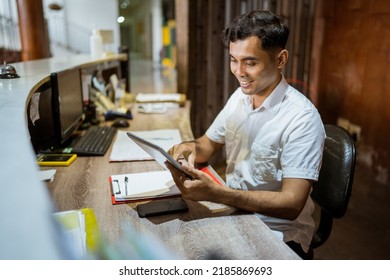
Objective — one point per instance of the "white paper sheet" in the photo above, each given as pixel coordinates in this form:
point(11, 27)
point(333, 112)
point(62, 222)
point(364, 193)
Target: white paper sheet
point(47, 175)
point(158, 97)
point(124, 149)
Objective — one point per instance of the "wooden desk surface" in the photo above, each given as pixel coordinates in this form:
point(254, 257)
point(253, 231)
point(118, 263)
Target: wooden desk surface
point(197, 234)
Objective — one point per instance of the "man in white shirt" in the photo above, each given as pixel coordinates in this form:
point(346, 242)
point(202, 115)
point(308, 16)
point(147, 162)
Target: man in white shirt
point(273, 136)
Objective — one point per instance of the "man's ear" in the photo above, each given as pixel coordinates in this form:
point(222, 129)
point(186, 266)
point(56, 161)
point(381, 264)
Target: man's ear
point(282, 58)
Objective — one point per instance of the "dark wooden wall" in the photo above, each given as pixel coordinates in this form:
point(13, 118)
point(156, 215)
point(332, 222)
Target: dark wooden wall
point(206, 62)
point(10, 56)
point(354, 77)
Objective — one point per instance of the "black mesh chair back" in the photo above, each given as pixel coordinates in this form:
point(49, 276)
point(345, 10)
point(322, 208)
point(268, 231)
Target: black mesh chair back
point(332, 190)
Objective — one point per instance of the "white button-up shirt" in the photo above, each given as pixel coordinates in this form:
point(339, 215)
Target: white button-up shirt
point(283, 138)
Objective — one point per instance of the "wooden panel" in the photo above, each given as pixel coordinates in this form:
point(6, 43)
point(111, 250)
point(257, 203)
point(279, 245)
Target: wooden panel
point(33, 32)
point(205, 89)
point(10, 56)
point(181, 7)
point(353, 75)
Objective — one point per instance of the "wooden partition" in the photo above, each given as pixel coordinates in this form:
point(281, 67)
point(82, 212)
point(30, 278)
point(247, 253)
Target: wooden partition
point(353, 87)
point(33, 32)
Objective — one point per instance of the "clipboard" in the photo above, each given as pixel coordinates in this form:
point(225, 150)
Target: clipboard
point(156, 152)
point(116, 197)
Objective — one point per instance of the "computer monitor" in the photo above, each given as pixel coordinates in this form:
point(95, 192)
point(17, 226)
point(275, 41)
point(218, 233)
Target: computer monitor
point(67, 103)
point(40, 118)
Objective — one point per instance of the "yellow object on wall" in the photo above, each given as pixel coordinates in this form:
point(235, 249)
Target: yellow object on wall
point(169, 44)
point(166, 36)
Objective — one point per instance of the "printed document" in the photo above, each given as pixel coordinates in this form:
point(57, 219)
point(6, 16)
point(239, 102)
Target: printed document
point(125, 149)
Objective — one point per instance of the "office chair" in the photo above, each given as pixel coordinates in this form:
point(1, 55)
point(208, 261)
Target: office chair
point(332, 190)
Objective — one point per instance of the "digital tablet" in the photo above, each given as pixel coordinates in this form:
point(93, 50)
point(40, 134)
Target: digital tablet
point(156, 152)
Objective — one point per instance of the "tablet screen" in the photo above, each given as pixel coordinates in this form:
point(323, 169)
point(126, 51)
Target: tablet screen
point(156, 152)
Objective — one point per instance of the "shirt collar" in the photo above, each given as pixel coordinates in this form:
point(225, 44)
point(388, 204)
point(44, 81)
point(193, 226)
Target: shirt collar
point(274, 100)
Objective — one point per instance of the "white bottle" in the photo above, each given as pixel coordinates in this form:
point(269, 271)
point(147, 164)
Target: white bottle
point(96, 44)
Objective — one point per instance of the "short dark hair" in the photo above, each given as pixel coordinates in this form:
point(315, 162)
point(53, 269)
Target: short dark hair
point(268, 27)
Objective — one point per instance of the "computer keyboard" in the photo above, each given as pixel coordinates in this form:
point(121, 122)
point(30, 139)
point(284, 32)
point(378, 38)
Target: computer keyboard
point(95, 141)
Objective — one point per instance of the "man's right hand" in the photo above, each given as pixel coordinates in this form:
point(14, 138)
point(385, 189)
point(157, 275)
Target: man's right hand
point(184, 150)
point(196, 151)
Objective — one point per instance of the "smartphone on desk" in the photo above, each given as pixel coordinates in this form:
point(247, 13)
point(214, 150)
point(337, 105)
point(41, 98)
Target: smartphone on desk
point(162, 207)
point(56, 159)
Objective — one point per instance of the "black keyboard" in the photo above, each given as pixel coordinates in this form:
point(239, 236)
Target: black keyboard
point(95, 141)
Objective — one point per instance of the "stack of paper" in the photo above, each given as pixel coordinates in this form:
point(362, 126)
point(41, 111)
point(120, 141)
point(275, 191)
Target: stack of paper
point(156, 108)
point(81, 231)
point(73, 224)
point(161, 97)
point(140, 186)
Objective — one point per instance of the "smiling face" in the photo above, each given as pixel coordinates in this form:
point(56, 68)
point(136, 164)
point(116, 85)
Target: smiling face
point(257, 71)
